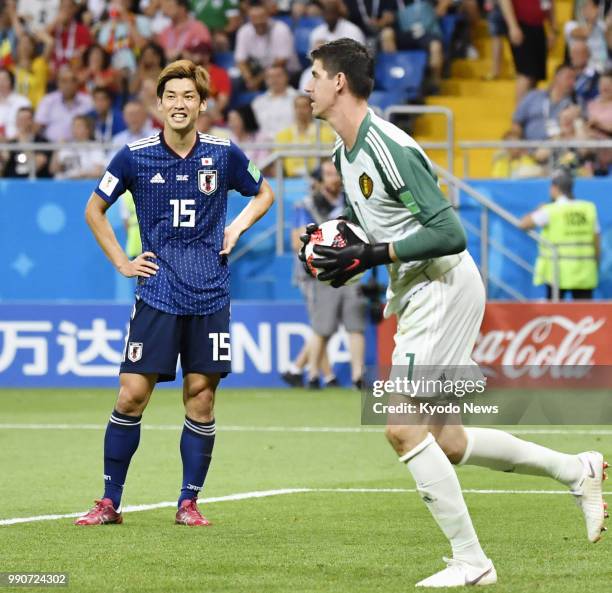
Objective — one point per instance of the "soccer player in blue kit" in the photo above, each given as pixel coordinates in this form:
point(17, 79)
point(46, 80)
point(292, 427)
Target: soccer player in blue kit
point(179, 179)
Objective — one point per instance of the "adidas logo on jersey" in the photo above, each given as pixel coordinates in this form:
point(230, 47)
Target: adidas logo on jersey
point(157, 178)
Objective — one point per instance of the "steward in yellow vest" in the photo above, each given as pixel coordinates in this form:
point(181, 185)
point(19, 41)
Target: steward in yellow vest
point(571, 225)
point(133, 244)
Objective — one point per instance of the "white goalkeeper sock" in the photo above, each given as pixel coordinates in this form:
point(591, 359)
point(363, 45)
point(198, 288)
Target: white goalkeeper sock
point(439, 488)
point(502, 451)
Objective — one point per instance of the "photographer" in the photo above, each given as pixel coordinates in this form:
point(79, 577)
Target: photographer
point(328, 307)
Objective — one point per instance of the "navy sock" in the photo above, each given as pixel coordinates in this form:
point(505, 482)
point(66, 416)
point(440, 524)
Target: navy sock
point(120, 443)
point(197, 443)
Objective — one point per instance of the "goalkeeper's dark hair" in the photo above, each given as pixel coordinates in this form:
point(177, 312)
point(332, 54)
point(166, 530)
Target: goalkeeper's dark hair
point(352, 59)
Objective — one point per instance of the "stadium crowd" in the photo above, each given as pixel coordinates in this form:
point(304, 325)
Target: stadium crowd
point(83, 71)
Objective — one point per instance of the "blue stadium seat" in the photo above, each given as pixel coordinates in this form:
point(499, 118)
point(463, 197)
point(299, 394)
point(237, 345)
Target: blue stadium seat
point(384, 99)
point(309, 22)
point(301, 37)
point(244, 98)
point(402, 70)
point(225, 59)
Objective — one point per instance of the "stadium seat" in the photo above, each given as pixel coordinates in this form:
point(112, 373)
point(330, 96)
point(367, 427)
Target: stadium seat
point(384, 99)
point(402, 70)
point(244, 98)
point(225, 59)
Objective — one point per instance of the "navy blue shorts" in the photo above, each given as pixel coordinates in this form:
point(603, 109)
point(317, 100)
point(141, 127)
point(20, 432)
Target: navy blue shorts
point(155, 340)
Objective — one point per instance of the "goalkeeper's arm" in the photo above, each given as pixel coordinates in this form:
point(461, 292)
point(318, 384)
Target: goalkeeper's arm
point(442, 235)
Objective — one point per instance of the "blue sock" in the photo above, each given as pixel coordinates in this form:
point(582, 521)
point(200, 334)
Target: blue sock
point(120, 443)
point(197, 443)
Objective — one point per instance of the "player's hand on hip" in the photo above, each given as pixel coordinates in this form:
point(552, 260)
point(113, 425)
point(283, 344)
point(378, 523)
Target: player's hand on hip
point(340, 264)
point(140, 266)
point(305, 239)
point(230, 238)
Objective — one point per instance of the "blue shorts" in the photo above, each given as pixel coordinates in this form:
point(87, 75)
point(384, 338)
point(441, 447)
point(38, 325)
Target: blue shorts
point(155, 339)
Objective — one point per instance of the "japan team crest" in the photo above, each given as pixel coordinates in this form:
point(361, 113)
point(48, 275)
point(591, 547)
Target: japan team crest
point(366, 185)
point(134, 352)
point(207, 181)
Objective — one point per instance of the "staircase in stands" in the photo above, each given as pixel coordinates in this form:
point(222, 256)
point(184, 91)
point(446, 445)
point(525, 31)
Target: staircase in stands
point(482, 109)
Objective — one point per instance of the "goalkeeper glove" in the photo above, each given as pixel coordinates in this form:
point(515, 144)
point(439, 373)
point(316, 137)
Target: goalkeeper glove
point(340, 264)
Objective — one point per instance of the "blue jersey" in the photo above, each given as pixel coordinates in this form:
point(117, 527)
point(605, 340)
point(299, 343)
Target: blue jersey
point(181, 205)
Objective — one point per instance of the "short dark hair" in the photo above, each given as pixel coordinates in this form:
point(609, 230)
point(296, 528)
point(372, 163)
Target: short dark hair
point(103, 90)
point(352, 59)
point(607, 73)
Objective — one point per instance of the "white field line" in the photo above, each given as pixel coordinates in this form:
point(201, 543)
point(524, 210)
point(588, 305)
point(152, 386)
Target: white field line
point(314, 429)
point(268, 493)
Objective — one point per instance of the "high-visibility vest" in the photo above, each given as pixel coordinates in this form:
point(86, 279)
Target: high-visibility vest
point(571, 228)
point(133, 245)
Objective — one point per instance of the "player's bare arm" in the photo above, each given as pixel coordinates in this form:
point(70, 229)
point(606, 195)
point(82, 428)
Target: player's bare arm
point(95, 215)
point(252, 212)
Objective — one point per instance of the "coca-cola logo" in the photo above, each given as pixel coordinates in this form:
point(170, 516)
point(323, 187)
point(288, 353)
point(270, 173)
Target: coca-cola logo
point(552, 344)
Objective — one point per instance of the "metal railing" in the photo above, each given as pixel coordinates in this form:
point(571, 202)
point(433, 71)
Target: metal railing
point(467, 146)
point(486, 241)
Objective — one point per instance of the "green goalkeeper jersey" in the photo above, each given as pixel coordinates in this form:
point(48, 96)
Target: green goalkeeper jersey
point(393, 192)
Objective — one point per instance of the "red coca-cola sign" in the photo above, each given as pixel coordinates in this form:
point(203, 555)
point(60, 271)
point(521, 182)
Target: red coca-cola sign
point(524, 337)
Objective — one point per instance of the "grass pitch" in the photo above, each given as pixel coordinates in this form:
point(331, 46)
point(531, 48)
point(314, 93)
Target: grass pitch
point(331, 538)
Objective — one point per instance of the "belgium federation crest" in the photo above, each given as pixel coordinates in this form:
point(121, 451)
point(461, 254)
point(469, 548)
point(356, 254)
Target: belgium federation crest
point(207, 181)
point(366, 185)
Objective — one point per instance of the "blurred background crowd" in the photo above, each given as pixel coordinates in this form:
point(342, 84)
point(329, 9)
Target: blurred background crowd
point(74, 72)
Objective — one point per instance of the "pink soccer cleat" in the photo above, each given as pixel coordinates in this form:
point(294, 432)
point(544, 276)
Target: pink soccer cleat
point(102, 513)
point(189, 514)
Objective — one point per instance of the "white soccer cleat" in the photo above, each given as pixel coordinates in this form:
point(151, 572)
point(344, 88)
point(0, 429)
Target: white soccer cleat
point(460, 574)
point(588, 494)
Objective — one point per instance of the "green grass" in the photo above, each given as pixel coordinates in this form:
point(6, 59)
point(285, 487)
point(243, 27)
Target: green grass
point(315, 541)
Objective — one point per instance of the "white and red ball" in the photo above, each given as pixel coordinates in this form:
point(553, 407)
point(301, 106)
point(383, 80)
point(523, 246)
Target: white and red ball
point(328, 234)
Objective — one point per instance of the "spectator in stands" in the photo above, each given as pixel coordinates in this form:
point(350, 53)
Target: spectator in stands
point(587, 78)
point(10, 103)
point(372, 16)
point(150, 64)
point(599, 123)
point(222, 17)
point(343, 306)
point(537, 115)
point(75, 162)
point(220, 87)
point(72, 37)
point(184, 32)
point(32, 68)
point(137, 122)
point(206, 125)
point(305, 130)
point(243, 130)
point(571, 127)
point(498, 31)
point(122, 34)
point(263, 42)
point(18, 163)
point(106, 117)
point(525, 20)
point(8, 36)
point(592, 28)
point(335, 25)
point(153, 9)
point(147, 95)
point(57, 109)
point(514, 163)
point(97, 70)
point(408, 34)
point(573, 227)
point(274, 109)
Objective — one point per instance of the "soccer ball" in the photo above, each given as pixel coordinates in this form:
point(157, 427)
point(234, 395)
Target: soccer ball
point(329, 235)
